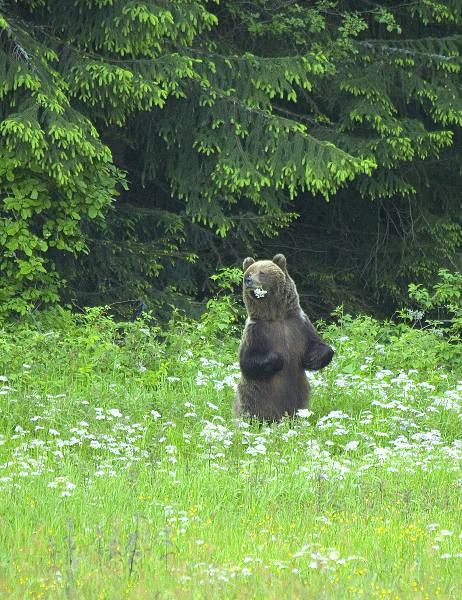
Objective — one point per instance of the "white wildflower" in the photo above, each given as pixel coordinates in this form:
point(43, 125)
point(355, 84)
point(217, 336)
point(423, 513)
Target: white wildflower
point(201, 379)
point(258, 449)
point(115, 412)
point(304, 413)
point(351, 445)
point(260, 292)
point(417, 315)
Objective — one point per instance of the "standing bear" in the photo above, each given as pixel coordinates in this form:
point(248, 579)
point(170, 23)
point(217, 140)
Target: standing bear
point(279, 342)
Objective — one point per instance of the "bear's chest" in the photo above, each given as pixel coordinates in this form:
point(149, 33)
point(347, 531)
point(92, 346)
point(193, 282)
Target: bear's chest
point(287, 337)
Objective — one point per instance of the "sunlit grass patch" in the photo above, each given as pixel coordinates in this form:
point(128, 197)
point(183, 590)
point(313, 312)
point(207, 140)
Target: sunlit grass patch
point(124, 475)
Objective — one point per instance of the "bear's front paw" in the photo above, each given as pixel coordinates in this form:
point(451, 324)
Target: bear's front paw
point(274, 362)
point(319, 356)
point(261, 366)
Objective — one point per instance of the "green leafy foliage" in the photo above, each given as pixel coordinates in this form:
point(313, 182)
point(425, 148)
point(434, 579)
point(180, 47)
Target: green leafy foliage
point(233, 123)
point(440, 307)
point(395, 346)
point(54, 170)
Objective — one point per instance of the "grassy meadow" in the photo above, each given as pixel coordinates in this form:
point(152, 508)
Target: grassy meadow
point(124, 476)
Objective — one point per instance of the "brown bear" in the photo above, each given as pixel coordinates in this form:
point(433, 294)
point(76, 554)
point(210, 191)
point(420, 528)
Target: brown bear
point(279, 342)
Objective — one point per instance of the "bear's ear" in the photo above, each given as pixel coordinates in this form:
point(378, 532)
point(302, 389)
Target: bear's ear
point(247, 262)
point(280, 261)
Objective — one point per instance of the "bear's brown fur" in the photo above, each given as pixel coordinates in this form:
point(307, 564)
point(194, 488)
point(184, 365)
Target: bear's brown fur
point(279, 342)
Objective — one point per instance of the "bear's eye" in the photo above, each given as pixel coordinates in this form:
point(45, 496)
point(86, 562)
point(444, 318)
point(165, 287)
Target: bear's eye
point(261, 274)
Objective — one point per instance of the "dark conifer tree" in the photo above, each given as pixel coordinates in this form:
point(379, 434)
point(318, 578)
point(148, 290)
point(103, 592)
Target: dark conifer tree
point(156, 134)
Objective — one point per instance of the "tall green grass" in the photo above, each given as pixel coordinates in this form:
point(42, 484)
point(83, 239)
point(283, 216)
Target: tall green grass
point(123, 474)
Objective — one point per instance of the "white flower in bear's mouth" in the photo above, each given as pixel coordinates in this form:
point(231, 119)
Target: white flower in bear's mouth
point(260, 292)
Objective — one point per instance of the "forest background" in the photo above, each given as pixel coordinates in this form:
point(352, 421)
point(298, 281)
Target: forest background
point(144, 145)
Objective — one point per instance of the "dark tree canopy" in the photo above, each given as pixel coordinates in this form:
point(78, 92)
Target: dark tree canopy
point(145, 144)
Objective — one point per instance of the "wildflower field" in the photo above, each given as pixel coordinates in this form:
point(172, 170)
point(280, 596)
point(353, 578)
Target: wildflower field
point(124, 475)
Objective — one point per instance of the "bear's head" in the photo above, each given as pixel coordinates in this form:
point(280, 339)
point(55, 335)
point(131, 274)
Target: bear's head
point(268, 290)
